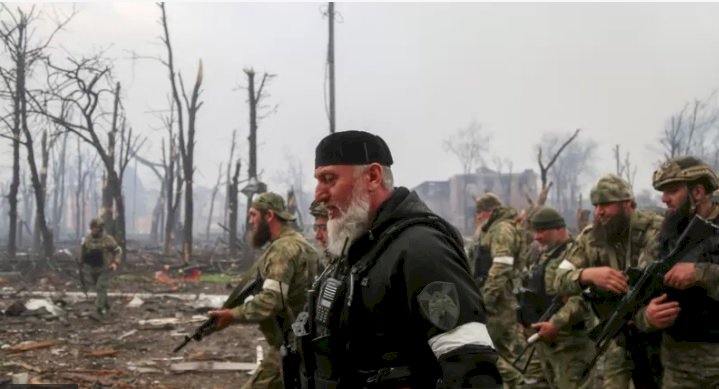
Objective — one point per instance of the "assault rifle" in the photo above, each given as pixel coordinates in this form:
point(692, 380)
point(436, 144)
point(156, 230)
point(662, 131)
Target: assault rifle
point(236, 298)
point(650, 283)
point(532, 340)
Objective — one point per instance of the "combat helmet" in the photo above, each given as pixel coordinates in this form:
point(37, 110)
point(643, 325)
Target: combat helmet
point(611, 189)
point(97, 222)
point(318, 209)
point(684, 169)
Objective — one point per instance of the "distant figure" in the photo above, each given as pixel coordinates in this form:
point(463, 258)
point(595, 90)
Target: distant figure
point(319, 211)
point(100, 255)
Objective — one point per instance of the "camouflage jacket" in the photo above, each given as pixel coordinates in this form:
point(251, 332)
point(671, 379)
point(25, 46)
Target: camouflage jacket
point(506, 243)
point(105, 244)
point(641, 248)
point(706, 275)
point(287, 268)
point(575, 315)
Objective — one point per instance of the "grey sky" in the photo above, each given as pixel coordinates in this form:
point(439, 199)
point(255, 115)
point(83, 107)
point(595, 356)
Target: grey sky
point(415, 72)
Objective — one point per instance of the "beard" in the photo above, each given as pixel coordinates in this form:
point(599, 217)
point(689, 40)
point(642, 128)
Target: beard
point(261, 235)
point(351, 223)
point(614, 231)
point(675, 221)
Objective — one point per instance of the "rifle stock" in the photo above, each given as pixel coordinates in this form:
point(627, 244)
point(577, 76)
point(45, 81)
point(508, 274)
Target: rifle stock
point(648, 284)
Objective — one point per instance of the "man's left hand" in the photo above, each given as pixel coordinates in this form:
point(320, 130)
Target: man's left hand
point(113, 266)
point(547, 330)
point(681, 276)
point(224, 318)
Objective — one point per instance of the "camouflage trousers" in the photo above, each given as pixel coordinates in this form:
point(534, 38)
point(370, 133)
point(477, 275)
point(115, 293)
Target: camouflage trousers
point(689, 364)
point(565, 360)
point(508, 339)
point(618, 367)
point(269, 374)
point(100, 280)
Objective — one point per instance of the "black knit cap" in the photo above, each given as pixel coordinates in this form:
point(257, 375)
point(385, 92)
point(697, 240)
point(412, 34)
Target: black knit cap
point(352, 148)
point(546, 219)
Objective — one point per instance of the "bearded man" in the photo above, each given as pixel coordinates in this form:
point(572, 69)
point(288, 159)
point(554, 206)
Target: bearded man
point(398, 307)
point(620, 237)
point(287, 267)
point(688, 313)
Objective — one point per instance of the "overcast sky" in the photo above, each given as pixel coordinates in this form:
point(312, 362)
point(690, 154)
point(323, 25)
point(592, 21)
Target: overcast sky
point(414, 72)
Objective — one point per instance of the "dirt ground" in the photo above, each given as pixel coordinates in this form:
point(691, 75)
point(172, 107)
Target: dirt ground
point(120, 350)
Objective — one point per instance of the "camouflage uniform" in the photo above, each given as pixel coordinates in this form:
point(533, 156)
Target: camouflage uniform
point(690, 347)
point(97, 253)
point(571, 352)
point(505, 242)
point(589, 252)
point(288, 267)
point(565, 358)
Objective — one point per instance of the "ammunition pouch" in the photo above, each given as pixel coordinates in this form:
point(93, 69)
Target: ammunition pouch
point(93, 257)
point(531, 306)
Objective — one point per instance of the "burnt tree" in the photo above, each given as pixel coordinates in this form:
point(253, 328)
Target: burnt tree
point(16, 29)
point(186, 136)
point(78, 90)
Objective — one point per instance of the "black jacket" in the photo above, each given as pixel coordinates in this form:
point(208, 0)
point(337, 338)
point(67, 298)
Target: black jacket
point(417, 291)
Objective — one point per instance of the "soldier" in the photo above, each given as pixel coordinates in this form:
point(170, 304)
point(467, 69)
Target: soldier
point(688, 313)
point(287, 267)
point(502, 249)
point(100, 255)
point(619, 237)
point(565, 348)
point(319, 212)
point(399, 308)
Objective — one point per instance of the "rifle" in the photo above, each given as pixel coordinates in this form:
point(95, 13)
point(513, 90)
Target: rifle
point(236, 298)
point(650, 282)
point(532, 340)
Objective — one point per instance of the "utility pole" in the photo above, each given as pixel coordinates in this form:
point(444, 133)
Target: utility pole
point(331, 63)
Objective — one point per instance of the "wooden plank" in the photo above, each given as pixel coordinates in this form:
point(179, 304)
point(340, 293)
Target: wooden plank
point(213, 366)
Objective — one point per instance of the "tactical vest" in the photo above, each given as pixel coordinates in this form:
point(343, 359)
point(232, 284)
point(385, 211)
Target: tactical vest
point(698, 320)
point(482, 263)
point(532, 297)
point(340, 294)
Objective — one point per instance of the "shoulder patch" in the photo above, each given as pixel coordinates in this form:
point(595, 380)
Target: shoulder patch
point(439, 302)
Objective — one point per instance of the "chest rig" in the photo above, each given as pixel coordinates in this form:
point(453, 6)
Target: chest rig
point(338, 296)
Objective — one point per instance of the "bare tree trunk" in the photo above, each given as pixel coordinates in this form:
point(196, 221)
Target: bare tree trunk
point(187, 151)
point(171, 205)
point(38, 177)
point(15, 183)
point(155, 230)
point(233, 206)
point(59, 192)
point(212, 202)
point(229, 178)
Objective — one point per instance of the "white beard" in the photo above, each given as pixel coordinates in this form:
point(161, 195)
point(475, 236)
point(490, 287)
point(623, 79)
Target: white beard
point(350, 225)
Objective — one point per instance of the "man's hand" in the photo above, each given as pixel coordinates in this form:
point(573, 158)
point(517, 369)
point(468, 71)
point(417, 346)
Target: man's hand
point(605, 277)
point(661, 314)
point(113, 266)
point(224, 318)
point(546, 330)
point(681, 276)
